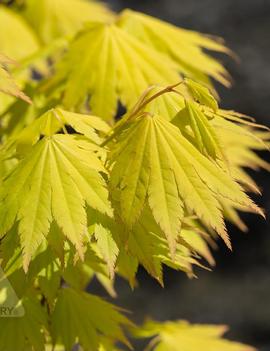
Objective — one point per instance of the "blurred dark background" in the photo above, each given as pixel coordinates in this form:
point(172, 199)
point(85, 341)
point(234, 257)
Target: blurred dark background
point(237, 292)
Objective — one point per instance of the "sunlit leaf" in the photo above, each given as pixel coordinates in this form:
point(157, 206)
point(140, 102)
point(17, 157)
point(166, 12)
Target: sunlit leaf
point(179, 335)
point(21, 40)
point(52, 19)
point(83, 317)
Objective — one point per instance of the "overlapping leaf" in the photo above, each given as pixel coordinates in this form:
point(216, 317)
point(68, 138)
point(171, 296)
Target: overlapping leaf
point(242, 142)
point(86, 318)
point(147, 243)
point(54, 121)
point(175, 155)
point(115, 66)
point(201, 94)
point(54, 180)
point(24, 332)
point(152, 162)
point(52, 19)
point(203, 135)
point(185, 47)
point(219, 134)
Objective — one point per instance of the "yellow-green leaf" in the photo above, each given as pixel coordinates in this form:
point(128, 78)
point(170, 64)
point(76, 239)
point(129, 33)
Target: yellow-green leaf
point(53, 181)
point(104, 60)
point(17, 39)
point(201, 94)
point(181, 335)
point(52, 19)
point(179, 175)
point(82, 317)
point(7, 83)
point(204, 134)
point(184, 47)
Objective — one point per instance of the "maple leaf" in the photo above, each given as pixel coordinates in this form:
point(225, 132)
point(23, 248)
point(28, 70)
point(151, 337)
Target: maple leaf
point(115, 65)
point(242, 142)
point(153, 162)
point(228, 137)
point(84, 317)
point(56, 178)
point(28, 328)
point(147, 243)
point(52, 19)
point(190, 337)
point(185, 47)
point(176, 162)
point(53, 121)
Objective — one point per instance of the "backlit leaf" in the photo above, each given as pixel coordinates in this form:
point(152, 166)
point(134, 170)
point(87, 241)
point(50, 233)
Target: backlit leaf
point(55, 181)
point(52, 19)
point(21, 40)
point(84, 317)
point(179, 335)
point(185, 47)
point(178, 176)
point(115, 65)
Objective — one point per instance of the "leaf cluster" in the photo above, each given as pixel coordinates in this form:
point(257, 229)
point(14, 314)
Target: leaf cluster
point(116, 156)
